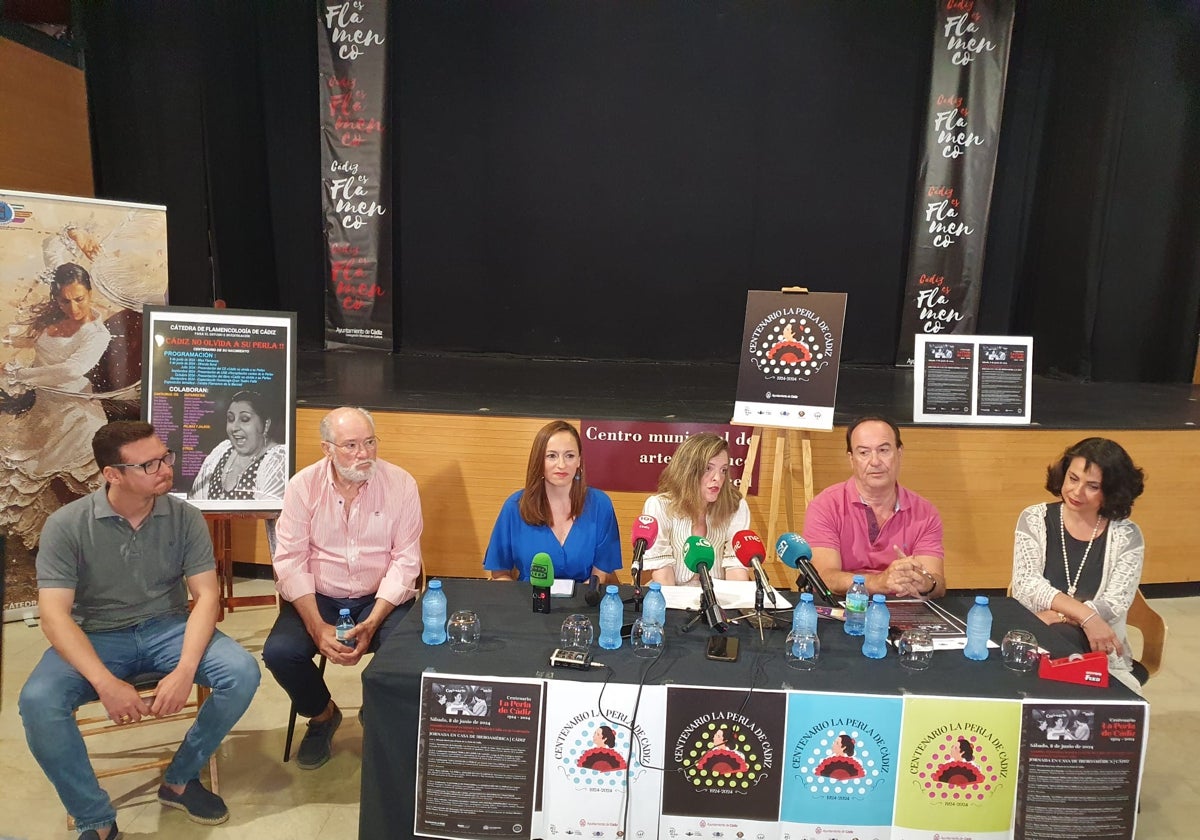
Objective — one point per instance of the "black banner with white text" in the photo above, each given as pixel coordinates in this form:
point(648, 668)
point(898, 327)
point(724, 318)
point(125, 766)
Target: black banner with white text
point(355, 177)
point(957, 167)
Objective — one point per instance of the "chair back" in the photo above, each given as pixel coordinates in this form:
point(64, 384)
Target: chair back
point(1154, 633)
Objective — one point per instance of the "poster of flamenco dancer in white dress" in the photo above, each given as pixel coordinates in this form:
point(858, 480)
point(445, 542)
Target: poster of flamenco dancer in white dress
point(74, 276)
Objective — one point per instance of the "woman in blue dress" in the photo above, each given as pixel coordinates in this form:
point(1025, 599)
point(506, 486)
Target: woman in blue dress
point(556, 513)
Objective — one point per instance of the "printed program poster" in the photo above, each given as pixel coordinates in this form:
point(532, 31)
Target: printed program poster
point(74, 276)
point(840, 776)
point(1076, 751)
point(477, 734)
point(791, 351)
point(724, 762)
point(221, 395)
point(602, 765)
point(958, 768)
point(973, 379)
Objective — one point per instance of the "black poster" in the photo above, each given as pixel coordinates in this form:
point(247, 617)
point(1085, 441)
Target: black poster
point(956, 169)
point(1079, 773)
point(725, 760)
point(220, 392)
point(791, 350)
point(355, 178)
point(948, 376)
point(477, 734)
point(1003, 378)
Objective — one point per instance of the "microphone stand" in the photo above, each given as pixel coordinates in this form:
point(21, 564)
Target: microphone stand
point(636, 600)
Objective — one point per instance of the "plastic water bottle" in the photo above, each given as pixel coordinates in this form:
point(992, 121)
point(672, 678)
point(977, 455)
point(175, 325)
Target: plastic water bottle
point(979, 629)
point(804, 617)
point(344, 623)
point(856, 607)
point(433, 614)
point(879, 617)
point(654, 606)
point(612, 612)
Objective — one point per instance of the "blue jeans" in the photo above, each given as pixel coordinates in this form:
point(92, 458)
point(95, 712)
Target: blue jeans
point(288, 651)
point(55, 690)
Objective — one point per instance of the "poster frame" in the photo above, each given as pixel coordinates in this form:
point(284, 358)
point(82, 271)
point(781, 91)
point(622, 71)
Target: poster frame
point(227, 322)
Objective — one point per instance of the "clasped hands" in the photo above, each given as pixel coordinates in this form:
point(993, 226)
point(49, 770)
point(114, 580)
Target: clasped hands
point(124, 705)
point(906, 577)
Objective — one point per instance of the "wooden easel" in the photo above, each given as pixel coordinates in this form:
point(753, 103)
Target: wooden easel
point(781, 483)
point(220, 525)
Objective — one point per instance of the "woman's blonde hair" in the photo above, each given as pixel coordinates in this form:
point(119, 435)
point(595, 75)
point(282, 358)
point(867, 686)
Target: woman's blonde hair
point(534, 507)
point(680, 481)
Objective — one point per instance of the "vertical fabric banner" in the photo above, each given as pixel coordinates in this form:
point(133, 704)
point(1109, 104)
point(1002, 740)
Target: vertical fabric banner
point(958, 162)
point(75, 274)
point(355, 176)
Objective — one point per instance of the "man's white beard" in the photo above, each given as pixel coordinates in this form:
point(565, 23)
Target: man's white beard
point(358, 473)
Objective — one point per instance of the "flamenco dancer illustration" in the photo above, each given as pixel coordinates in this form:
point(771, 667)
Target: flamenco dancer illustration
point(959, 770)
point(723, 757)
point(841, 763)
point(603, 756)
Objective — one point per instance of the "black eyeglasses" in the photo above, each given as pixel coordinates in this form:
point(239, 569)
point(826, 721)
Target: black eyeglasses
point(151, 467)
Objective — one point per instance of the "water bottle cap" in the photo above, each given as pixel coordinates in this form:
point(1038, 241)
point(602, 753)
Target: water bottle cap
point(344, 612)
point(981, 599)
point(859, 579)
point(611, 589)
point(879, 599)
point(435, 584)
point(656, 586)
point(806, 597)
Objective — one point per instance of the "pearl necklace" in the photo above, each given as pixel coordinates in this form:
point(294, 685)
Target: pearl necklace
point(1062, 529)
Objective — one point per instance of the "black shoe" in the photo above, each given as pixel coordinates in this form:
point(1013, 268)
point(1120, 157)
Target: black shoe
point(199, 804)
point(114, 833)
point(317, 745)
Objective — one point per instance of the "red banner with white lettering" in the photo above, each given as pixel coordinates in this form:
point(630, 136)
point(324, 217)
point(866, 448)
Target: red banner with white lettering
point(355, 177)
point(957, 168)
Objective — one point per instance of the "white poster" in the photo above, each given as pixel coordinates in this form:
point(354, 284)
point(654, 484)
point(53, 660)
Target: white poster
point(603, 741)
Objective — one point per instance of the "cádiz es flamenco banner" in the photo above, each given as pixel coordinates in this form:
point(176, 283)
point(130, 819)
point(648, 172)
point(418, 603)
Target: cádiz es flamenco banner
point(958, 163)
point(355, 175)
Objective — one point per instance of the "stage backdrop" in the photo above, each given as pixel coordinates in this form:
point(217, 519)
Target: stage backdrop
point(74, 275)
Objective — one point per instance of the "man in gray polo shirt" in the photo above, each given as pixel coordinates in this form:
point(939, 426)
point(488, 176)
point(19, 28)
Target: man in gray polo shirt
point(114, 573)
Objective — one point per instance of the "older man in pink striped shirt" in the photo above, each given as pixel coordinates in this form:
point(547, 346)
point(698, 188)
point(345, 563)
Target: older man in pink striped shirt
point(349, 537)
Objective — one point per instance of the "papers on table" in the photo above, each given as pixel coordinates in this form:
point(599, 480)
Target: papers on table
point(731, 594)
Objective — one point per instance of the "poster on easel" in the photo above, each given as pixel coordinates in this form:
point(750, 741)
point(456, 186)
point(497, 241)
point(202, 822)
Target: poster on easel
point(973, 379)
point(221, 394)
point(791, 354)
point(75, 274)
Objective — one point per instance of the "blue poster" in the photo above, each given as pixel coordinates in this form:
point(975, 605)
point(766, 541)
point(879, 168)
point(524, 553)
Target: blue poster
point(841, 762)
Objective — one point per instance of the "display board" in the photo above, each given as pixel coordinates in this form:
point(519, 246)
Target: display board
point(220, 391)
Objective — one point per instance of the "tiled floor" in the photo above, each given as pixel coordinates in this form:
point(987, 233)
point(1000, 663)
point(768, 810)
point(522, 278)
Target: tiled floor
point(269, 799)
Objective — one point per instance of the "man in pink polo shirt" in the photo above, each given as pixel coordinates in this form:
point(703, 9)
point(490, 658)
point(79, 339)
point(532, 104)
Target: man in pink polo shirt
point(871, 526)
point(349, 537)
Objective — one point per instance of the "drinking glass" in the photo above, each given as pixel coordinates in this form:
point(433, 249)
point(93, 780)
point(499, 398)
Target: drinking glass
point(646, 638)
point(803, 650)
point(576, 633)
point(1019, 650)
point(463, 631)
point(915, 648)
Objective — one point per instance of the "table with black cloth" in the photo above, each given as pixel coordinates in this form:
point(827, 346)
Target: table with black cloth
point(517, 643)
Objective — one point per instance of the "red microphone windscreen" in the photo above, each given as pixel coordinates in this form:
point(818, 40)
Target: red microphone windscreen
point(645, 528)
point(748, 546)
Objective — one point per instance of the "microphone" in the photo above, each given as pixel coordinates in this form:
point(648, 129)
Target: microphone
point(793, 550)
point(594, 594)
point(698, 556)
point(645, 532)
point(748, 547)
point(541, 576)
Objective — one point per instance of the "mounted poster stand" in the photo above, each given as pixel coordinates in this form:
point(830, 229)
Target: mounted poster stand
point(220, 390)
point(973, 379)
point(787, 381)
